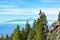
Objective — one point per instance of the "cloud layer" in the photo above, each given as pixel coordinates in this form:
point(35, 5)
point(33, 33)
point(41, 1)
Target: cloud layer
point(29, 10)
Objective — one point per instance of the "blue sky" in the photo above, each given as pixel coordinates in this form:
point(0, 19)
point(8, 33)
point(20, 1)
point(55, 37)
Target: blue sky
point(28, 6)
point(17, 9)
point(11, 11)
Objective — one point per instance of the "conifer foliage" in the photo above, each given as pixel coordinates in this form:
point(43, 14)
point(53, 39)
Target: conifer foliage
point(16, 34)
point(59, 16)
point(7, 37)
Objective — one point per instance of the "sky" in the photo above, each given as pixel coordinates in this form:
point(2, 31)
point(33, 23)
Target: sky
point(13, 12)
point(28, 6)
point(20, 9)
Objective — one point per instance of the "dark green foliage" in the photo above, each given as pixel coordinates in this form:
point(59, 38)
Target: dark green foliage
point(59, 16)
point(40, 12)
point(6, 37)
point(40, 27)
point(11, 37)
point(16, 34)
point(1, 37)
point(23, 34)
point(31, 34)
point(34, 25)
point(59, 20)
point(27, 30)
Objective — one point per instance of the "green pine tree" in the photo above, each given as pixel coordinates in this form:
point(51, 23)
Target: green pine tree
point(31, 35)
point(6, 37)
point(40, 12)
point(1, 37)
point(34, 25)
point(59, 20)
point(11, 37)
point(40, 27)
point(16, 34)
point(45, 24)
point(23, 34)
point(59, 16)
point(27, 30)
point(32, 32)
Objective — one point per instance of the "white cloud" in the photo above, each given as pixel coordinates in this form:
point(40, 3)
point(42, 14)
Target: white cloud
point(30, 10)
point(17, 22)
point(51, 10)
point(18, 11)
point(24, 22)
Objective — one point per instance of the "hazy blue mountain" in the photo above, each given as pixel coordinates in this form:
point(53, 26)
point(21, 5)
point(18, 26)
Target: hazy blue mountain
point(28, 19)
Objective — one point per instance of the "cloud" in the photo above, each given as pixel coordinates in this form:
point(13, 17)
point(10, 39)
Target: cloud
point(30, 10)
point(51, 10)
point(11, 8)
point(18, 11)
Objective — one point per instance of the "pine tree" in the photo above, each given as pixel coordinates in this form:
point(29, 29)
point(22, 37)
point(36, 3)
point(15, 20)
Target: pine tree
point(40, 27)
point(23, 34)
point(1, 37)
point(11, 37)
point(59, 16)
point(16, 34)
point(59, 20)
point(31, 35)
point(40, 12)
point(45, 24)
point(32, 32)
point(34, 25)
point(27, 30)
point(6, 37)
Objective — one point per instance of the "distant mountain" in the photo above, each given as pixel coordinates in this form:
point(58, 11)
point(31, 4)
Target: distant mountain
point(29, 19)
point(8, 28)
